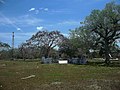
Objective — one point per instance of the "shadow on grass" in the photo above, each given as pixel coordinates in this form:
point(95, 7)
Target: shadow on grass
point(112, 64)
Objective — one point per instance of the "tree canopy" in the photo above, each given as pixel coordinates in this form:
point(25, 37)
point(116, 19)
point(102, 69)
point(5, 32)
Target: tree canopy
point(46, 39)
point(106, 24)
point(4, 45)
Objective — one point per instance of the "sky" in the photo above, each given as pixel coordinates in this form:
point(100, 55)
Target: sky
point(26, 17)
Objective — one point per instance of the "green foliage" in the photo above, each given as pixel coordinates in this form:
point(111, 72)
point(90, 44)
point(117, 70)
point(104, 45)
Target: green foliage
point(82, 38)
point(106, 24)
point(47, 40)
point(66, 47)
point(4, 50)
point(4, 45)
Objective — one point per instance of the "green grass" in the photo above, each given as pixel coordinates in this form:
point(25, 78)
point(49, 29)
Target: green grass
point(57, 77)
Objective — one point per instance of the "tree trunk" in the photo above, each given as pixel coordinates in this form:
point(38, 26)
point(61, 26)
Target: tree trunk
point(47, 52)
point(107, 52)
point(23, 55)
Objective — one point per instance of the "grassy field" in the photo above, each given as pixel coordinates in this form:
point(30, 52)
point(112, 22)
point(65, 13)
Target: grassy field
point(14, 76)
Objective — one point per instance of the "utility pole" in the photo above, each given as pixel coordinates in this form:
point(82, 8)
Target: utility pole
point(12, 45)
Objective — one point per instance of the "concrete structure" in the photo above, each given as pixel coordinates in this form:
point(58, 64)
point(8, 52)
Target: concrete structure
point(46, 60)
point(63, 61)
point(81, 60)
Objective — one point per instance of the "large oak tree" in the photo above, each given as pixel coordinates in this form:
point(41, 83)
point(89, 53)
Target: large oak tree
point(47, 40)
point(106, 24)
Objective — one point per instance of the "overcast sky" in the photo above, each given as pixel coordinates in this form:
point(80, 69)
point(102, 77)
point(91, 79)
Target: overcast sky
point(26, 17)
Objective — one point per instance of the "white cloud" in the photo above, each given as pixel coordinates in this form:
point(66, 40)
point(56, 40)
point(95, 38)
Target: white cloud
point(41, 8)
point(46, 9)
point(60, 11)
point(6, 20)
point(39, 28)
point(28, 21)
point(19, 37)
point(71, 22)
point(32, 9)
point(22, 21)
point(1, 1)
point(18, 29)
point(36, 11)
